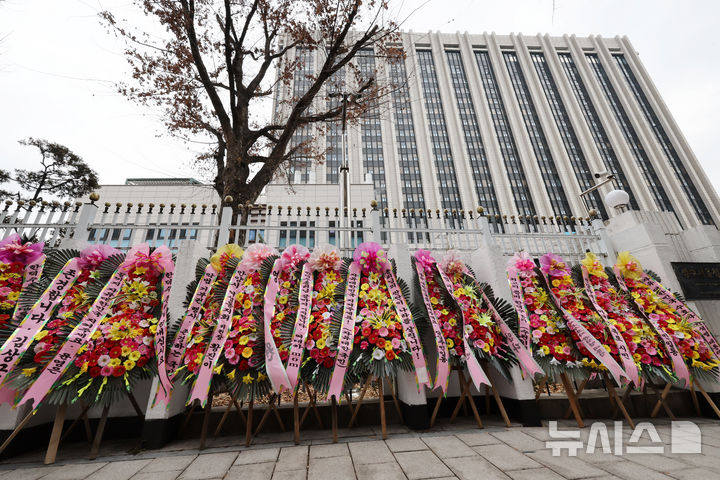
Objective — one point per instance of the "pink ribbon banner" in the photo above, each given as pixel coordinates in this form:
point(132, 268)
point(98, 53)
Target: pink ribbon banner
point(629, 364)
point(474, 368)
point(679, 366)
point(297, 344)
point(203, 380)
point(163, 257)
point(81, 334)
point(518, 300)
point(347, 331)
point(443, 362)
point(275, 369)
point(525, 358)
point(409, 328)
point(591, 343)
point(697, 322)
point(36, 318)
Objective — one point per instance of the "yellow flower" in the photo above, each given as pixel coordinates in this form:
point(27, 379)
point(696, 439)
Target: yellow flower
point(231, 375)
point(230, 251)
point(218, 369)
point(153, 329)
point(247, 352)
point(261, 376)
point(556, 283)
point(286, 284)
point(320, 343)
point(13, 295)
point(134, 356)
point(41, 334)
point(126, 351)
point(282, 299)
point(114, 362)
point(247, 379)
point(247, 304)
point(450, 343)
point(629, 266)
point(243, 340)
point(28, 371)
point(545, 349)
point(452, 322)
point(593, 265)
point(129, 364)
point(140, 271)
point(433, 300)
point(96, 334)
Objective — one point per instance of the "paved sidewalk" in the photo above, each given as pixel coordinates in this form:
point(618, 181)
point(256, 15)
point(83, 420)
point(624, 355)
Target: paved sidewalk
point(449, 451)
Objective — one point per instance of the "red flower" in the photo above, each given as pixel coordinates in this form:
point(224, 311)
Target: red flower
point(94, 371)
point(115, 352)
point(119, 371)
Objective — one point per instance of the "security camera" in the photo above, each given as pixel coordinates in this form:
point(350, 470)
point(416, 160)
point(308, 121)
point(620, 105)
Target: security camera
point(602, 174)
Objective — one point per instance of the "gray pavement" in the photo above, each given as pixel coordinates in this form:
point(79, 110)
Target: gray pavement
point(449, 451)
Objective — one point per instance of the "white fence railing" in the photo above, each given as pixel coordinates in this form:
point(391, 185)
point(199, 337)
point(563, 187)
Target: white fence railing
point(123, 225)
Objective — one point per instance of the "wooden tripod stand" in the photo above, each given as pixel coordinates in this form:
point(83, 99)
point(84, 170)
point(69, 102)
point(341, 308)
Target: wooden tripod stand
point(356, 410)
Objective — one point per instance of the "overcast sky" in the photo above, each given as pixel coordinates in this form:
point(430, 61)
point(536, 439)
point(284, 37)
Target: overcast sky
point(58, 65)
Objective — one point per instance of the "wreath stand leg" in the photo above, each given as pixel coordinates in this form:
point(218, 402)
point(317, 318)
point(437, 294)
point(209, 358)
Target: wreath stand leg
point(99, 433)
point(334, 419)
point(707, 398)
point(188, 416)
point(661, 401)
point(465, 394)
point(52, 449)
point(383, 424)
point(496, 395)
point(579, 391)
point(206, 420)
point(616, 399)
point(270, 409)
point(626, 394)
point(296, 419)
point(487, 400)
point(572, 399)
point(83, 416)
point(16, 431)
point(435, 410)
point(233, 403)
point(696, 404)
point(359, 402)
point(312, 404)
point(249, 423)
point(395, 399)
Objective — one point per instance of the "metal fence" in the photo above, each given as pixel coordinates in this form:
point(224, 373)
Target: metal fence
point(122, 225)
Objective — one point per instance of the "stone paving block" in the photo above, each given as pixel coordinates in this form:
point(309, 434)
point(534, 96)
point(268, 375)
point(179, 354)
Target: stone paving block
point(405, 444)
point(519, 440)
point(695, 474)
point(168, 463)
point(379, 471)
point(658, 463)
point(292, 458)
point(477, 438)
point(448, 446)
point(505, 457)
point(710, 462)
point(568, 467)
point(289, 475)
point(474, 468)
point(256, 471)
point(26, 473)
point(119, 470)
point(260, 455)
point(330, 450)
point(166, 475)
point(331, 468)
point(534, 474)
point(633, 471)
point(417, 465)
point(74, 471)
point(370, 452)
point(209, 465)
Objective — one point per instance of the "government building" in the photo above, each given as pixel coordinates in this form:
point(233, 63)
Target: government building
point(521, 125)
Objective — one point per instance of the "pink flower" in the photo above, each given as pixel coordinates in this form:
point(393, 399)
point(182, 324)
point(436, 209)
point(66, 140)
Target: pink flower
point(325, 257)
point(452, 263)
point(521, 262)
point(553, 265)
point(106, 371)
point(293, 255)
point(12, 249)
point(255, 255)
point(92, 256)
point(425, 259)
point(371, 257)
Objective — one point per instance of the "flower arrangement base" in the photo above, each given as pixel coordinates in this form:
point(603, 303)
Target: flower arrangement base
point(312, 405)
point(615, 398)
point(271, 408)
point(572, 399)
point(381, 395)
point(238, 408)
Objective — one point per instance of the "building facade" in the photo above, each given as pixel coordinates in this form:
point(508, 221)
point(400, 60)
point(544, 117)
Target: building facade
point(521, 125)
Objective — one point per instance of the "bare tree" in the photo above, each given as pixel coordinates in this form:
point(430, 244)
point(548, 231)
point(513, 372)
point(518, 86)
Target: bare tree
point(213, 63)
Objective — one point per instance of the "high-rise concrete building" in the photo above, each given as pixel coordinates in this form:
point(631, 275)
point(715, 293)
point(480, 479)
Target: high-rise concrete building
point(521, 125)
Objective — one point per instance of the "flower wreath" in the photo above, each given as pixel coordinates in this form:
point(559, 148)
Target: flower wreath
point(540, 326)
point(380, 331)
point(320, 350)
point(92, 262)
point(668, 313)
point(113, 345)
point(588, 330)
point(457, 302)
point(20, 266)
point(647, 351)
point(239, 367)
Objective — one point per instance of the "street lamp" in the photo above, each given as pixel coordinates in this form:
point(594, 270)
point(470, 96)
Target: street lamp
point(617, 199)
